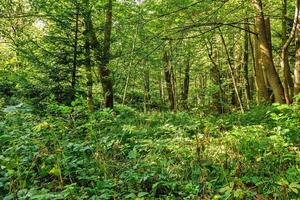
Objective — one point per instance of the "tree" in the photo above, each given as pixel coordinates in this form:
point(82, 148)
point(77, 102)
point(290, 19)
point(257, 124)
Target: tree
point(170, 79)
point(88, 64)
point(246, 63)
point(104, 71)
point(297, 38)
point(186, 82)
point(234, 81)
point(266, 54)
point(262, 90)
point(288, 80)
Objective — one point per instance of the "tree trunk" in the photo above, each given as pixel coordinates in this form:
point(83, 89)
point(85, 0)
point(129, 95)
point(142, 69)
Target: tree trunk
point(288, 84)
point(147, 96)
point(297, 65)
point(252, 81)
point(246, 64)
point(198, 85)
point(104, 72)
point(266, 55)
point(169, 77)
point(186, 83)
point(269, 40)
point(161, 90)
point(262, 90)
point(236, 56)
point(89, 75)
point(75, 54)
point(103, 56)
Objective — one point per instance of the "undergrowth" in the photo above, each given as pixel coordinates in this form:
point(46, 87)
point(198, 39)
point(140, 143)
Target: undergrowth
point(66, 153)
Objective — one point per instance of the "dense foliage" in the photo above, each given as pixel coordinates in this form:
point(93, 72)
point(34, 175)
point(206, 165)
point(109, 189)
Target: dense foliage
point(69, 154)
point(149, 99)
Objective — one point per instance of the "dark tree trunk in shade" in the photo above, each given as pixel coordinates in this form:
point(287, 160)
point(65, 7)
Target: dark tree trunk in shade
point(104, 71)
point(88, 64)
point(186, 83)
point(169, 77)
point(246, 63)
point(147, 96)
point(75, 54)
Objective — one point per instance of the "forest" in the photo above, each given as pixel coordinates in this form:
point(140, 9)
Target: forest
point(150, 99)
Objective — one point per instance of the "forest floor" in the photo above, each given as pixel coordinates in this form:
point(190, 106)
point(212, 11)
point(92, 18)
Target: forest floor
point(126, 154)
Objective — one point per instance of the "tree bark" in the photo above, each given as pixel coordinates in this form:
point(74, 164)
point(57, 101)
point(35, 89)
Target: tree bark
point(297, 65)
point(75, 54)
point(88, 66)
point(161, 90)
point(170, 82)
point(297, 40)
point(288, 80)
point(262, 90)
point(252, 81)
point(266, 55)
point(103, 56)
point(186, 82)
point(103, 70)
point(147, 96)
point(246, 64)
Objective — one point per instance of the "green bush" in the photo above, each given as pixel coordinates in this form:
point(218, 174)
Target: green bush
point(124, 154)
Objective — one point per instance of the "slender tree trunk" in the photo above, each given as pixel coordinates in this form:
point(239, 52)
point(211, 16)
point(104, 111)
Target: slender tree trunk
point(104, 72)
point(288, 80)
point(186, 83)
point(297, 66)
point(169, 77)
point(217, 96)
point(147, 96)
point(252, 81)
point(266, 55)
point(246, 64)
point(198, 85)
point(288, 84)
point(236, 90)
point(204, 85)
point(89, 75)
point(236, 56)
point(297, 38)
point(75, 54)
point(161, 90)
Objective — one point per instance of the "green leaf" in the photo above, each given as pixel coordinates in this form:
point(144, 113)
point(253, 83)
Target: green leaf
point(142, 194)
point(294, 185)
point(133, 154)
point(130, 196)
point(283, 182)
point(294, 190)
point(8, 197)
point(55, 171)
